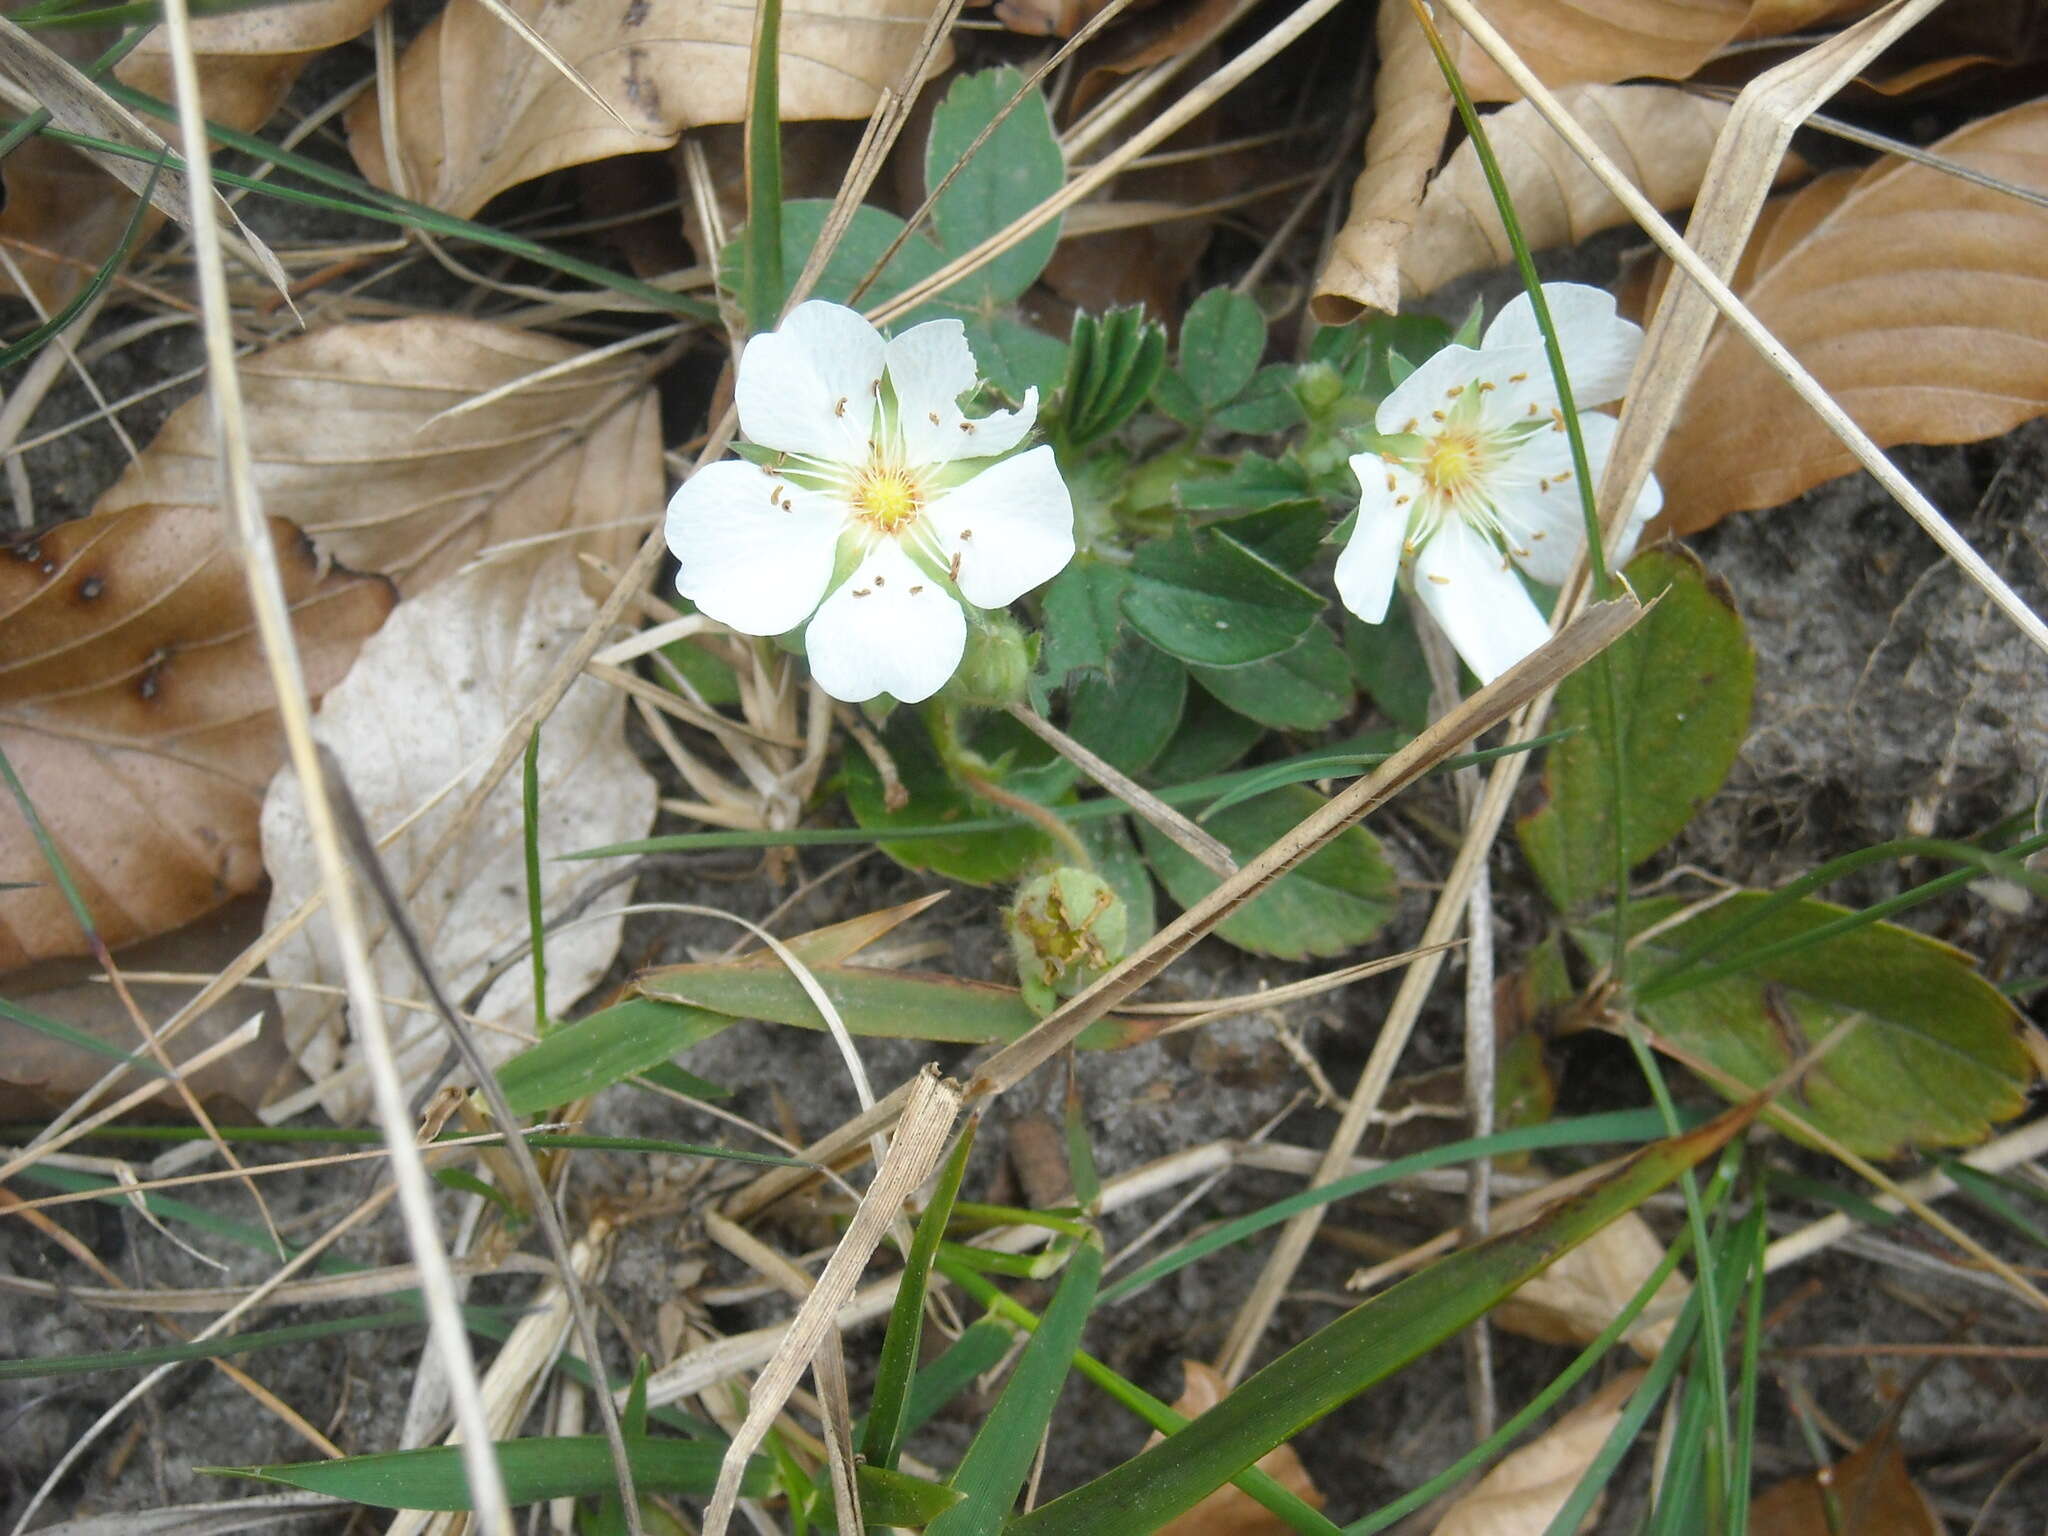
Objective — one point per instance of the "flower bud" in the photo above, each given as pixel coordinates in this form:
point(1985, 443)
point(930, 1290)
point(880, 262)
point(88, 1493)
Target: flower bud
point(1066, 929)
point(995, 670)
point(1318, 387)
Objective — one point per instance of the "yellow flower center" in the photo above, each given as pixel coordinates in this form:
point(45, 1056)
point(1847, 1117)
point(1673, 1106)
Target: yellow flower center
point(887, 500)
point(1453, 464)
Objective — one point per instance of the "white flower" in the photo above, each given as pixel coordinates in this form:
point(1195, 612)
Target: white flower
point(1488, 476)
point(877, 512)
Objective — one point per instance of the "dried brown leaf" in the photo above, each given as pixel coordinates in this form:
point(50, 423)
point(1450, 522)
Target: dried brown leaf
point(40, 1075)
point(428, 703)
point(1660, 135)
point(63, 218)
point(249, 59)
point(135, 704)
point(1577, 1297)
point(1411, 112)
point(1522, 1495)
point(1230, 1511)
point(1919, 300)
point(479, 110)
point(342, 427)
point(1874, 1495)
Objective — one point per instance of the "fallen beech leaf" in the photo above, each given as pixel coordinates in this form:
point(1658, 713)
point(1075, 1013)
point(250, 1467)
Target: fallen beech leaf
point(1579, 1295)
point(1230, 1511)
point(63, 218)
point(1659, 135)
point(479, 110)
point(135, 705)
point(1411, 111)
point(1919, 300)
point(40, 1075)
point(1872, 1489)
point(1522, 1495)
point(427, 705)
point(341, 424)
point(249, 59)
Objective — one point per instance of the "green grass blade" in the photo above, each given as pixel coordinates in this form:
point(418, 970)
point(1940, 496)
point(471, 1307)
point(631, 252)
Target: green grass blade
point(588, 1056)
point(1363, 1347)
point(1629, 1125)
point(889, 1407)
point(56, 1029)
point(536, 923)
point(558, 1467)
point(292, 1135)
point(765, 288)
point(992, 1473)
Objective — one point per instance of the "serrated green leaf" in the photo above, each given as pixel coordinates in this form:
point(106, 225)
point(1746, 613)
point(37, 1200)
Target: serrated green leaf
point(1222, 339)
point(1269, 404)
point(558, 1467)
point(1128, 712)
point(1016, 168)
point(1083, 611)
point(1288, 533)
point(873, 1003)
point(1682, 682)
point(1112, 364)
point(1332, 901)
point(1303, 689)
point(1254, 483)
point(1934, 1061)
point(934, 801)
point(1387, 661)
point(1209, 740)
point(1208, 600)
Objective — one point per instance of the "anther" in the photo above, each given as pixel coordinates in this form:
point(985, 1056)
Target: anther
point(1442, 581)
point(1454, 391)
point(840, 408)
point(1516, 378)
point(932, 417)
point(863, 592)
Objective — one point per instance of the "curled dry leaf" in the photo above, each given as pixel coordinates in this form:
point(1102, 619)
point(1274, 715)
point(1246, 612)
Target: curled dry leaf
point(1230, 1511)
point(1660, 136)
point(1522, 1495)
point(248, 59)
point(1871, 1491)
point(479, 110)
point(1567, 42)
point(1411, 111)
point(1579, 1295)
point(425, 708)
point(1918, 300)
point(135, 705)
point(350, 442)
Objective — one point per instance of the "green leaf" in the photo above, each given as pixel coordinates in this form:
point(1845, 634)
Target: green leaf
point(1288, 533)
point(580, 1059)
point(1682, 679)
point(936, 800)
point(1210, 601)
point(1254, 483)
point(1270, 405)
point(892, 1498)
point(1221, 341)
point(1388, 663)
point(1082, 615)
point(1112, 364)
point(1016, 168)
point(870, 233)
point(1014, 357)
point(1303, 689)
point(1332, 901)
point(1209, 740)
point(559, 1467)
point(877, 1004)
point(1366, 1345)
point(1933, 1062)
point(1127, 713)
point(1170, 392)
point(992, 1473)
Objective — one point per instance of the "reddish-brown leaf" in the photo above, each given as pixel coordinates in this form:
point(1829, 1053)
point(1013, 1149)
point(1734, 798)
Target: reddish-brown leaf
point(135, 705)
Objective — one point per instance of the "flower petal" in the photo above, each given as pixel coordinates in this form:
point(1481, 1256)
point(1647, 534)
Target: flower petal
point(1537, 499)
point(1599, 346)
point(1649, 502)
point(809, 386)
point(1416, 401)
point(889, 628)
point(1370, 561)
point(756, 552)
point(1471, 591)
point(1011, 527)
point(930, 368)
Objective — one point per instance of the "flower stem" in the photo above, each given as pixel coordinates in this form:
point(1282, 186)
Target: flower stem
point(972, 769)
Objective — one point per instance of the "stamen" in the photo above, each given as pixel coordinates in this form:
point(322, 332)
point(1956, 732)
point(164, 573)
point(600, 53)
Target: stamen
point(880, 579)
point(1413, 423)
point(1392, 485)
point(1517, 378)
point(966, 533)
point(953, 570)
point(1484, 385)
point(1454, 391)
point(840, 408)
point(932, 417)
point(863, 592)
point(1442, 581)
point(920, 586)
point(1436, 415)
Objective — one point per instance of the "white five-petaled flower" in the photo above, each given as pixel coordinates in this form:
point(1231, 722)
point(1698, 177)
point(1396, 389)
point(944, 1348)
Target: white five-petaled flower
point(878, 510)
point(1485, 477)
